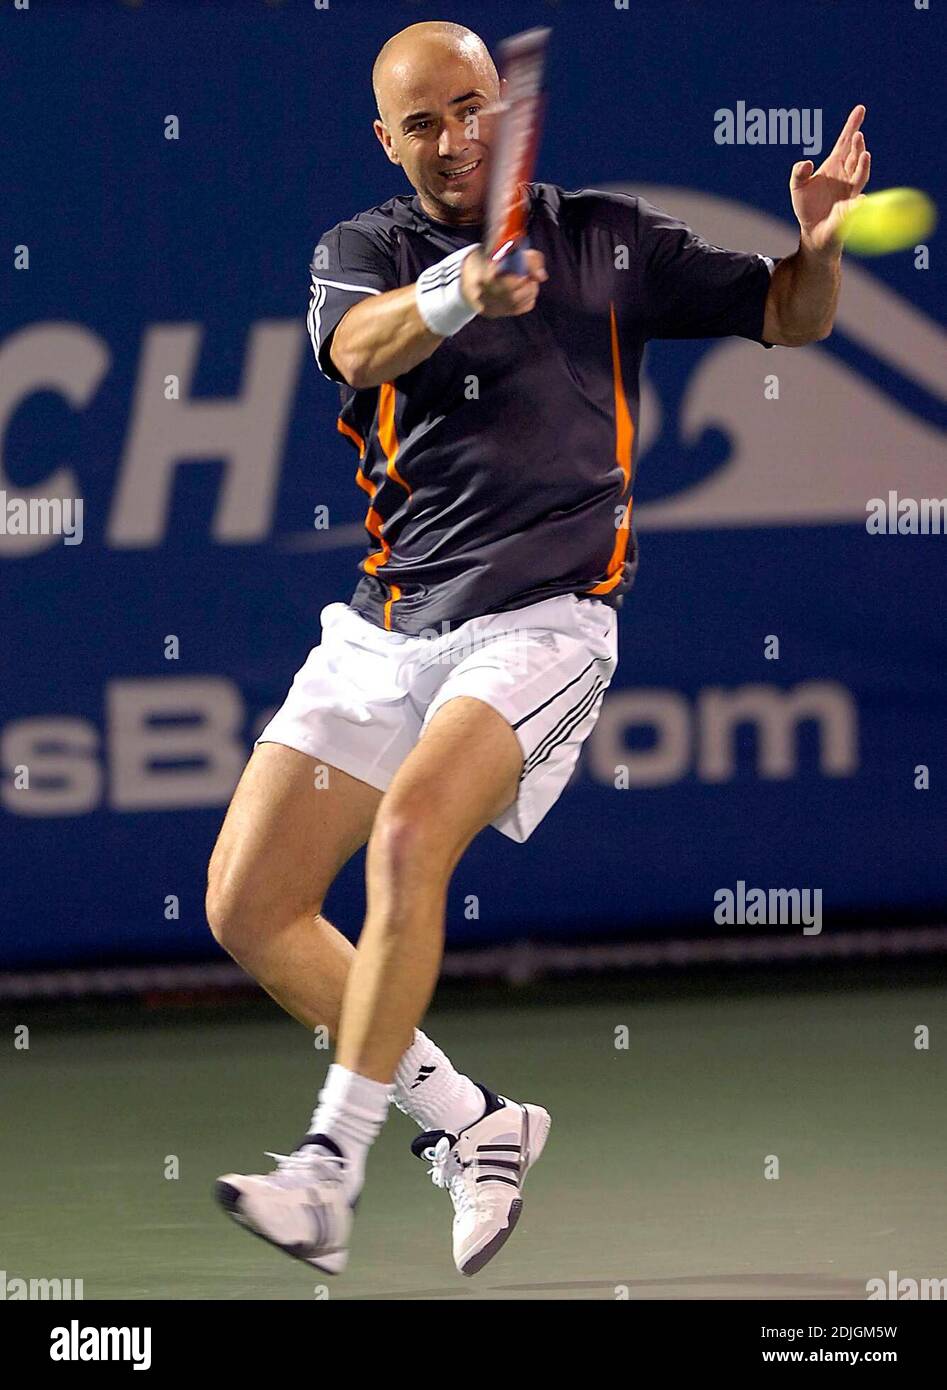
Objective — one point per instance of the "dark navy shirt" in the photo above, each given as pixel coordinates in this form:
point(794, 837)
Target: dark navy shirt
point(499, 472)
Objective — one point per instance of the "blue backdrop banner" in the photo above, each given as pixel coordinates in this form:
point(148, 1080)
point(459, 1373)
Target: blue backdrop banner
point(778, 718)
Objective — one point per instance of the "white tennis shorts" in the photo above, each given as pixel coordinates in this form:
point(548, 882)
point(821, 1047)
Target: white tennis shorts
point(364, 696)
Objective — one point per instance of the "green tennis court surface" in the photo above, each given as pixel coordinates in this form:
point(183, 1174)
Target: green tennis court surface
point(652, 1178)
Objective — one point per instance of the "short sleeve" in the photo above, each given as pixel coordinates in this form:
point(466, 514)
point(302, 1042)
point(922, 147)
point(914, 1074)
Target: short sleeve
point(348, 264)
point(691, 289)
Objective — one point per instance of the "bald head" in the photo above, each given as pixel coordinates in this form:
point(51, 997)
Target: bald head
point(420, 48)
point(437, 92)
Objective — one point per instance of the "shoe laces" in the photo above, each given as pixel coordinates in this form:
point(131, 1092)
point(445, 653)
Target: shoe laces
point(307, 1164)
point(448, 1170)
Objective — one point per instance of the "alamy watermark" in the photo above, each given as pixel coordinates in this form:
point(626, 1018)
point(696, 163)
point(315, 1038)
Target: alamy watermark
point(769, 907)
point(906, 516)
point(776, 125)
point(906, 1290)
point(445, 648)
point(78, 1343)
point(13, 1288)
point(42, 516)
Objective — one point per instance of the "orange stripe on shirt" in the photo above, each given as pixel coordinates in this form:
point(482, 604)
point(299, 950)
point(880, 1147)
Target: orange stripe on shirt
point(387, 436)
point(388, 439)
point(624, 439)
point(352, 434)
point(395, 595)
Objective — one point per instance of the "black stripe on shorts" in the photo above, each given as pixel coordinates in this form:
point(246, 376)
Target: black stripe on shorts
point(563, 729)
point(561, 691)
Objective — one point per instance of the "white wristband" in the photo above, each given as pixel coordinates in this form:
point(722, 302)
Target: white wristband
point(439, 296)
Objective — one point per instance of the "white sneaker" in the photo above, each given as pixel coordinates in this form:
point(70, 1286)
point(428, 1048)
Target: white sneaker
point(302, 1206)
point(483, 1169)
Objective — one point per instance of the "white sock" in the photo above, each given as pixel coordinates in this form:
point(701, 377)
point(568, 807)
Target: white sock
point(429, 1089)
point(350, 1113)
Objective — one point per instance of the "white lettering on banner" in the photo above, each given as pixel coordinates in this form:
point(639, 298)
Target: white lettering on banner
point(666, 714)
point(155, 725)
point(141, 749)
point(70, 361)
point(62, 756)
point(247, 432)
point(152, 726)
point(776, 716)
point(702, 737)
point(869, 439)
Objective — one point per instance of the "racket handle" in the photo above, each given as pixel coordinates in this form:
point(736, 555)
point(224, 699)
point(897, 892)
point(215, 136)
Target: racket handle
point(514, 262)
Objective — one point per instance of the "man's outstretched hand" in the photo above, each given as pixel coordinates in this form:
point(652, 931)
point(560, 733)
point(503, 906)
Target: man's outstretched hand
point(821, 197)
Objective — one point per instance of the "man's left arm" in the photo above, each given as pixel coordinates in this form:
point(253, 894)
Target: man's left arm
point(804, 289)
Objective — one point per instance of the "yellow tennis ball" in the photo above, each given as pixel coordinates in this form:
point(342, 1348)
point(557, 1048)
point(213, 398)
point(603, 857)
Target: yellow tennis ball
point(892, 220)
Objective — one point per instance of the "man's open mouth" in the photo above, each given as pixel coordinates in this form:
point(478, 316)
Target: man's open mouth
point(462, 170)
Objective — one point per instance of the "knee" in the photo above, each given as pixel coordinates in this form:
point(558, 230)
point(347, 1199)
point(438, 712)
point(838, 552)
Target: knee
point(407, 840)
point(228, 914)
point(239, 915)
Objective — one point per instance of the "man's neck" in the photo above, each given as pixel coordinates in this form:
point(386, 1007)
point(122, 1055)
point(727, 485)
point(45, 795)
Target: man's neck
point(469, 219)
point(443, 214)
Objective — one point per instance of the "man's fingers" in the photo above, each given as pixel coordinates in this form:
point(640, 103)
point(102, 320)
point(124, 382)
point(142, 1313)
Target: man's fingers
point(502, 300)
point(518, 298)
point(536, 265)
point(524, 293)
point(503, 294)
point(801, 173)
point(862, 172)
point(853, 122)
point(526, 306)
point(509, 286)
point(858, 145)
point(855, 118)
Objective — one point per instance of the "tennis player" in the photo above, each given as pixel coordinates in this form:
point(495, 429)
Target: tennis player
point(494, 417)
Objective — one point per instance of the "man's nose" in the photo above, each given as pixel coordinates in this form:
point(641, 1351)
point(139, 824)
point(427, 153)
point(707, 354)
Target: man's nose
point(453, 139)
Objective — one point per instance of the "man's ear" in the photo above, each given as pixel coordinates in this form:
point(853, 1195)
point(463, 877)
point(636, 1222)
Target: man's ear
point(384, 137)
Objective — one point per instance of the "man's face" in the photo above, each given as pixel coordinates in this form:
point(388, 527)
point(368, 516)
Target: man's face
point(434, 128)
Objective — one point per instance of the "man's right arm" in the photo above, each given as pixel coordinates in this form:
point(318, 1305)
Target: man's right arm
point(384, 336)
point(380, 338)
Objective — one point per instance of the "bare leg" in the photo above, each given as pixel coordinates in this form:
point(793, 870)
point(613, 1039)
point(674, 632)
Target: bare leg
point(461, 774)
point(282, 843)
